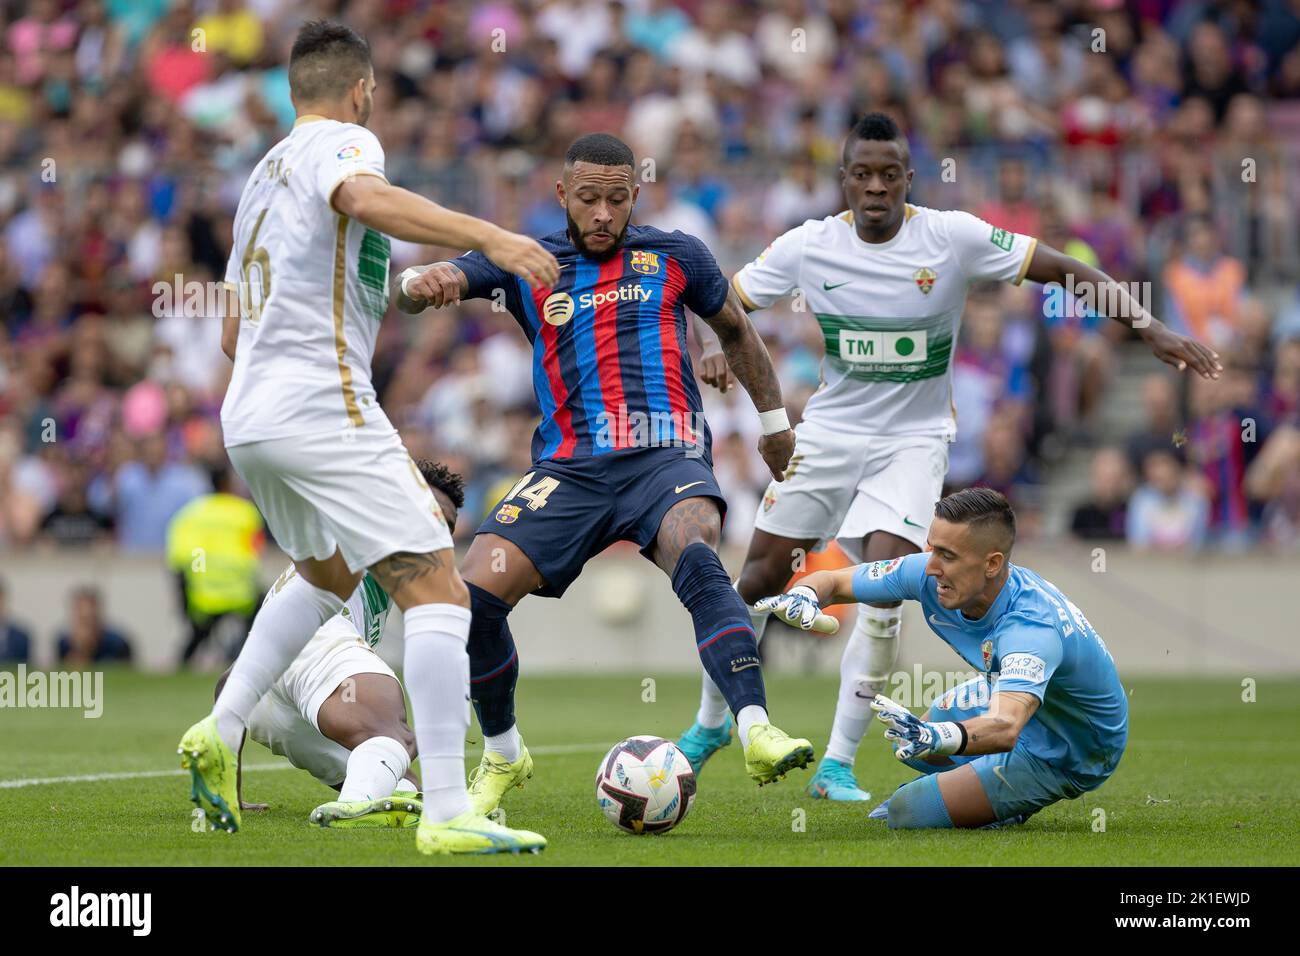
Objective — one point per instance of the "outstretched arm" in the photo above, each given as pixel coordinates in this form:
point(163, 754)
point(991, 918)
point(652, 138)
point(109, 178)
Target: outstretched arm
point(405, 215)
point(993, 732)
point(1180, 351)
point(747, 356)
point(436, 285)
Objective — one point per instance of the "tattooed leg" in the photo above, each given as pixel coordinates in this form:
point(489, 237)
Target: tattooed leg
point(413, 579)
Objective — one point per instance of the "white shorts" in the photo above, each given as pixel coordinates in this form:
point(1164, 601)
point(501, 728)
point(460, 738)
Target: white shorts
point(355, 490)
point(846, 486)
point(284, 720)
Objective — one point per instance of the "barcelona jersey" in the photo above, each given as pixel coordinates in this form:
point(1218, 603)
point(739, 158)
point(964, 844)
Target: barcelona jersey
point(610, 363)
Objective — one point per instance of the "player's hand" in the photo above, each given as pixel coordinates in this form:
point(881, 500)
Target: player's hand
point(436, 286)
point(1180, 351)
point(524, 257)
point(799, 608)
point(915, 738)
point(776, 450)
point(715, 371)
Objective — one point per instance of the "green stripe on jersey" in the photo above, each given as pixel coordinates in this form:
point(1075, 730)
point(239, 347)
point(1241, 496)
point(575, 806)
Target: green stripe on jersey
point(872, 349)
point(372, 271)
point(377, 603)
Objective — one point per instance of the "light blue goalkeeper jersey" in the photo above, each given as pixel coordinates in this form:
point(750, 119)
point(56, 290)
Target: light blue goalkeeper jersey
point(1033, 640)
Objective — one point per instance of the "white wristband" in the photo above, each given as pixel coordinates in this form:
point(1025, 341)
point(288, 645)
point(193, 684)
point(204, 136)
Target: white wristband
point(951, 737)
point(774, 420)
point(407, 276)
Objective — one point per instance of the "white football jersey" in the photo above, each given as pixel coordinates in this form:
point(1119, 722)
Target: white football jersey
point(889, 311)
point(313, 287)
point(364, 615)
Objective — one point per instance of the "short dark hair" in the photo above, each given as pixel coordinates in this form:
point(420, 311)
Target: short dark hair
point(983, 509)
point(441, 478)
point(874, 126)
point(601, 149)
point(326, 60)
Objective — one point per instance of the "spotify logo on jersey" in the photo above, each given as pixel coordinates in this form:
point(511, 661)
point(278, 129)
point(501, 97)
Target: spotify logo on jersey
point(558, 308)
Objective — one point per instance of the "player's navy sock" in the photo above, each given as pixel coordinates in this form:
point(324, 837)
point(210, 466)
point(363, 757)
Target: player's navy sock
point(493, 662)
point(723, 633)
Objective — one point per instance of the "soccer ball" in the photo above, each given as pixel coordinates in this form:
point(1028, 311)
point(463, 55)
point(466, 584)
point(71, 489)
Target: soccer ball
point(645, 785)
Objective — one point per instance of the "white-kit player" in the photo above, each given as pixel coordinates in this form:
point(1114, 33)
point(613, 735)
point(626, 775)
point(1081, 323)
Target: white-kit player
point(339, 713)
point(887, 282)
point(304, 429)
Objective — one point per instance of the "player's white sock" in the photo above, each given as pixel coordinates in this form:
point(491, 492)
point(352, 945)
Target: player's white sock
point(375, 768)
point(750, 715)
point(407, 786)
point(282, 628)
point(437, 678)
point(870, 652)
point(713, 706)
point(507, 745)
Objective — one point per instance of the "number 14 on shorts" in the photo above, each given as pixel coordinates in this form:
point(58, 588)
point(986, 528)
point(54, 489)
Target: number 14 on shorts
point(536, 494)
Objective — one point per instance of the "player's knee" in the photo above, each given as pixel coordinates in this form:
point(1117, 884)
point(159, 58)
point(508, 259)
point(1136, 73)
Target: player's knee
point(918, 806)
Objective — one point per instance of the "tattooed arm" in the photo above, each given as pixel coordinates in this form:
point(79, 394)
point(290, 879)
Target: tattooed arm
point(749, 362)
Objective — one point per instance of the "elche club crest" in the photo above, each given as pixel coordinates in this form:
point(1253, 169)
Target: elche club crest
point(925, 277)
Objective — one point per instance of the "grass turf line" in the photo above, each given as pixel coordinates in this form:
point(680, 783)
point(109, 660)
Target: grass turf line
point(1206, 780)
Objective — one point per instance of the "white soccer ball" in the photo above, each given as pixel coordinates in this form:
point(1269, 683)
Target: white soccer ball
point(645, 785)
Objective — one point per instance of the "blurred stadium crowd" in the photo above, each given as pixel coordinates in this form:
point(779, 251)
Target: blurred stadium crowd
point(1158, 139)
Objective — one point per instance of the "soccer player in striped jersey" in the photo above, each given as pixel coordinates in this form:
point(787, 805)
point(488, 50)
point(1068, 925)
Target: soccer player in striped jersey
point(887, 282)
point(622, 452)
point(338, 712)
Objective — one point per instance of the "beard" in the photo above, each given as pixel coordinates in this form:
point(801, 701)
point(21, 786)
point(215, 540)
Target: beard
point(615, 248)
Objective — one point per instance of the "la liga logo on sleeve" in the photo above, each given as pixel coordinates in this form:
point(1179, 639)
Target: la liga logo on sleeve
point(351, 151)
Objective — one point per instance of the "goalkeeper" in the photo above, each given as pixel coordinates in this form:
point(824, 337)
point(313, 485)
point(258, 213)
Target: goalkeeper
point(1048, 718)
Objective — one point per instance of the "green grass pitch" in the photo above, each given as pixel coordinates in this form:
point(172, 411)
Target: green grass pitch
point(1207, 780)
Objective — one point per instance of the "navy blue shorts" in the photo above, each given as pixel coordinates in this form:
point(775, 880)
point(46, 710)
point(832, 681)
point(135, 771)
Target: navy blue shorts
point(574, 508)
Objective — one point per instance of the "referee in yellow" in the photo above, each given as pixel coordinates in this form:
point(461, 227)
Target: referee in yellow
point(214, 544)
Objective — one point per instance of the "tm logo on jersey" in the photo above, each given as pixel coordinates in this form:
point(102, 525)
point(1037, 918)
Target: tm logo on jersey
point(893, 347)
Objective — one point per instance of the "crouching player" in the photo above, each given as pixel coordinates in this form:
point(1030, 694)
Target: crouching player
point(339, 713)
point(1053, 721)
